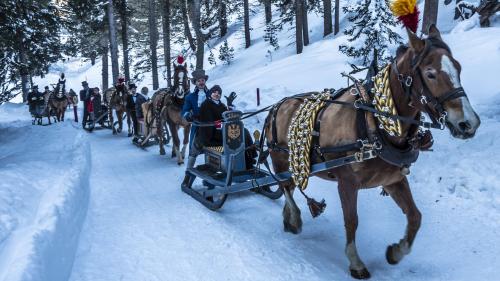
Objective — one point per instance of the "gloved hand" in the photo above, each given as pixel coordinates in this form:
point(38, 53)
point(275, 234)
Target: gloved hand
point(188, 116)
point(218, 124)
point(230, 99)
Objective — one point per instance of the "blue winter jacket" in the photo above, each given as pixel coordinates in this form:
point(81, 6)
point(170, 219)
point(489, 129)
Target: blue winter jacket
point(191, 103)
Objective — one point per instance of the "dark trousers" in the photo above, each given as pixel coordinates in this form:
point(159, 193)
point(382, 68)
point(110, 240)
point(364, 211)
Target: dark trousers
point(85, 113)
point(133, 116)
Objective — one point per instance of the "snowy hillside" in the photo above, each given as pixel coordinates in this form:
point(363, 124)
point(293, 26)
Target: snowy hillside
point(88, 207)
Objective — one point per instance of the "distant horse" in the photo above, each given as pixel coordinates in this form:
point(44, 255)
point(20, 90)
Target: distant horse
point(58, 103)
point(118, 102)
point(165, 107)
point(425, 77)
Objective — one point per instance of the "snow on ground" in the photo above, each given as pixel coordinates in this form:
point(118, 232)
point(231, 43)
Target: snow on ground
point(140, 226)
point(43, 196)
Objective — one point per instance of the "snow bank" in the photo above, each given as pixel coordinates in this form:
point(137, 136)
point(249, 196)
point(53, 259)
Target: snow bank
point(43, 196)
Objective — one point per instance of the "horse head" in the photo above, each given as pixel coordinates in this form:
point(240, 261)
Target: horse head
point(118, 98)
point(431, 74)
point(181, 81)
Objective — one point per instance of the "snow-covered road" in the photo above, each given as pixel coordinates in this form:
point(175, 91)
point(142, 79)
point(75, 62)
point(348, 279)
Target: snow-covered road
point(140, 226)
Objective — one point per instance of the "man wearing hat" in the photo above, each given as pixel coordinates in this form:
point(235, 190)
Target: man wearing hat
point(46, 90)
point(85, 97)
point(34, 98)
point(191, 108)
point(132, 100)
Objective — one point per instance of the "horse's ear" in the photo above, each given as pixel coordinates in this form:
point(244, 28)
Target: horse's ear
point(173, 64)
point(415, 43)
point(185, 65)
point(434, 32)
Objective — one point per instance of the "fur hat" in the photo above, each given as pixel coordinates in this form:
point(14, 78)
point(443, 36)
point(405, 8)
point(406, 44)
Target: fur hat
point(132, 86)
point(199, 74)
point(46, 87)
point(84, 83)
point(216, 88)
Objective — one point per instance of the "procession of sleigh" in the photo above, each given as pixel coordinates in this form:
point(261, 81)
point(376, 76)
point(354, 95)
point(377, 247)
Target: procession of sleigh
point(363, 136)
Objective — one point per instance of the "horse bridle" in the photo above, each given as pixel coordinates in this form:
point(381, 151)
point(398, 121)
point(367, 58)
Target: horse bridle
point(432, 105)
point(181, 84)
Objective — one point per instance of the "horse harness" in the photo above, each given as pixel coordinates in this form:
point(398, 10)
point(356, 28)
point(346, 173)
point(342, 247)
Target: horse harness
point(375, 144)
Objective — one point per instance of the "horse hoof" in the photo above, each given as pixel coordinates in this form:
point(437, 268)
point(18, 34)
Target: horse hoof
point(162, 152)
point(290, 228)
point(129, 135)
point(114, 133)
point(360, 274)
point(389, 255)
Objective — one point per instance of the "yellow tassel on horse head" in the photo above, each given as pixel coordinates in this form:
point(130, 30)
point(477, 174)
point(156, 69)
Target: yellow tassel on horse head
point(407, 12)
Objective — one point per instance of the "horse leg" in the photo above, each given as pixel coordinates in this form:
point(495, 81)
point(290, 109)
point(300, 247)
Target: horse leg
point(401, 194)
point(176, 142)
point(128, 124)
point(348, 197)
point(174, 152)
point(111, 120)
point(159, 134)
point(292, 221)
point(185, 142)
point(120, 121)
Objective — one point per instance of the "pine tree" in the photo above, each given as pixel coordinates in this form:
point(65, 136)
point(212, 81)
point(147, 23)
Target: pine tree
point(30, 41)
point(372, 23)
point(271, 35)
point(211, 58)
point(226, 53)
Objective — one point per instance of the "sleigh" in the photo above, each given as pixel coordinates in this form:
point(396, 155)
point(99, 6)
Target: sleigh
point(224, 171)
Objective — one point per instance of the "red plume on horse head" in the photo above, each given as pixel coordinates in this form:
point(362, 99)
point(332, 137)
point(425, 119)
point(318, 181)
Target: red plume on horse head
point(407, 13)
point(180, 59)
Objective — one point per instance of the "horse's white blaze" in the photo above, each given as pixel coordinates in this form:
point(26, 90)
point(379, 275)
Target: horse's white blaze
point(448, 67)
point(352, 254)
point(469, 115)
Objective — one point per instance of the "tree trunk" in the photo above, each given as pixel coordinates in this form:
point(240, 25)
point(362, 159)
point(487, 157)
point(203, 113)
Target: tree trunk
point(113, 44)
point(337, 15)
point(327, 17)
point(222, 18)
point(187, 30)
point(268, 11)
point(430, 14)
point(124, 23)
point(23, 70)
point(166, 39)
point(246, 19)
point(298, 26)
point(200, 42)
point(153, 42)
point(305, 25)
point(105, 71)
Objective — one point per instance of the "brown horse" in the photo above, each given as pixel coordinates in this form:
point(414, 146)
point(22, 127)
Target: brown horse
point(424, 78)
point(165, 108)
point(58, 102)
point(117, 101)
